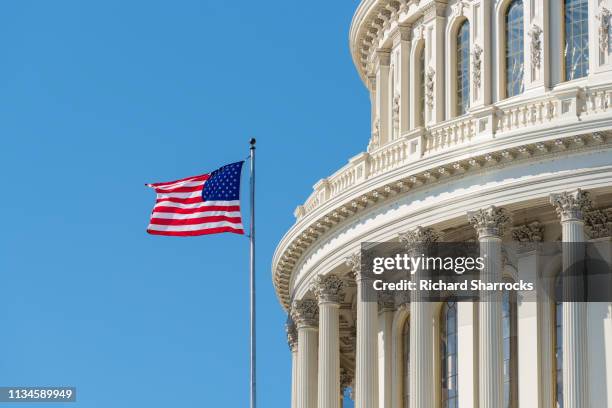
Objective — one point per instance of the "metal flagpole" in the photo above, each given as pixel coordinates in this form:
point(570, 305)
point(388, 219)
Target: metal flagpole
point(252, 274)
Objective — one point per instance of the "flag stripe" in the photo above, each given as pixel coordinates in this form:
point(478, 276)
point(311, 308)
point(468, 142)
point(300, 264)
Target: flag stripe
point(194, 221)
point(195, 227)
point(195, 209)
point(186, 179)
point(195, 233)
point(199, 214)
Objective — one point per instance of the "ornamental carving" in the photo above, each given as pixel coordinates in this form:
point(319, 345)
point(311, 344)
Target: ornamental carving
point(533, 232)
point(374, 140)
point(396, 114)
point(354, 262)
point(429, 86)
point(305, 312)
point(490, 221)
point(477, 65)
point(420, 236)
point(458, 9)
point(572, 205)
point(598, 223)
point(604, 30)
point(292, 336)
point(328, 288)
point(535, 33)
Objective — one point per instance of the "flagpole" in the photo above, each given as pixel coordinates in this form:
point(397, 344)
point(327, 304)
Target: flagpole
point(252, 275)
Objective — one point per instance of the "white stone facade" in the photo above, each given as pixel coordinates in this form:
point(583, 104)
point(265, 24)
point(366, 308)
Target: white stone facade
point(536, 166)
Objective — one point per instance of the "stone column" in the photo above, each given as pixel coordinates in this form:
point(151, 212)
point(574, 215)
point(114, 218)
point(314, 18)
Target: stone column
point(535, 347)
point(292, 340)
point(404, 77)
point(366, 364)
point(386, 306)
point(570, 207)
point(305, 313)
point(421, 325)
point(383, 97)
point(328, 290)
point(434, 19)
point(489, 223)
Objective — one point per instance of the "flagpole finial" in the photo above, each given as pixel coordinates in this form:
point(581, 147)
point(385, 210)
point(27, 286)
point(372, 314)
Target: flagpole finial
point(252, 141)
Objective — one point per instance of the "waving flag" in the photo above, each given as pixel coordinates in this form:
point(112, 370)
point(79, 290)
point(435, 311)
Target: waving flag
point(198, 205)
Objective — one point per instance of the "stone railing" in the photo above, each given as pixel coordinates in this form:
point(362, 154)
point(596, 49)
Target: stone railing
point(512, 117)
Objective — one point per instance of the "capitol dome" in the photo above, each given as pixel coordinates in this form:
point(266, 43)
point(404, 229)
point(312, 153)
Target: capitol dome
point(491, 121)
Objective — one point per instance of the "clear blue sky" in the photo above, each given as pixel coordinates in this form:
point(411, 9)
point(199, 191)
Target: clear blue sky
point(99, 97)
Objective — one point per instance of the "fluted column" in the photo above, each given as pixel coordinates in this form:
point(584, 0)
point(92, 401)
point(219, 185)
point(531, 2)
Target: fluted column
point(328, 290)
point(386, 306)
point(305, 313)
point(421, 325)
point(570, 207)
point(292, 340)
point(489, 223)
point(366, 364)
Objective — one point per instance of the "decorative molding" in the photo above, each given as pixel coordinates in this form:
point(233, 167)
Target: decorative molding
point(459, 7)
point(429, 86)
point(527, 233)
point(375, 138)
point(290, 252)
point(292, 335)
point(570, 206)
point(328, 289)
point(396, 114)
point(490, 221)
point(535, 33)
point(384, 57)
point(604, 30)
point(598, 223)
point(305, 313)
point(354, 262)
point(477, 65)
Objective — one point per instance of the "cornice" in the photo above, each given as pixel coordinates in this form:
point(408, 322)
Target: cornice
point(414, 176)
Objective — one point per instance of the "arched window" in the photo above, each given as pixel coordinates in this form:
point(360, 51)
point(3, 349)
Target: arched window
point(509, 322)
point(463, 68)
point(576, 39)
point(514, 48)
point(450, 394)
point(406, 362)
point(422, 84)
point(559, 354)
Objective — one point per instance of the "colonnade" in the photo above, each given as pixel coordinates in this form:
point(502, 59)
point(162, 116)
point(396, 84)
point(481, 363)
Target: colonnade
point(318, 379)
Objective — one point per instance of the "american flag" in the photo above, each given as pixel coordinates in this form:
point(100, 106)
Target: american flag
point(198, 205)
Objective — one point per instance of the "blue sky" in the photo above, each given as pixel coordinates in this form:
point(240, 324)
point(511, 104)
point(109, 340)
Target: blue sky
point(97, 98)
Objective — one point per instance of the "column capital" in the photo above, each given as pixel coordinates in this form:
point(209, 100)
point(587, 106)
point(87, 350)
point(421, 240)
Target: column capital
point(419, 236)
point(490, 221)
point(305, 313)
point(570, 206)
point(405, 30)
point(328, 289)
point(292, 336)
point(384, 56)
